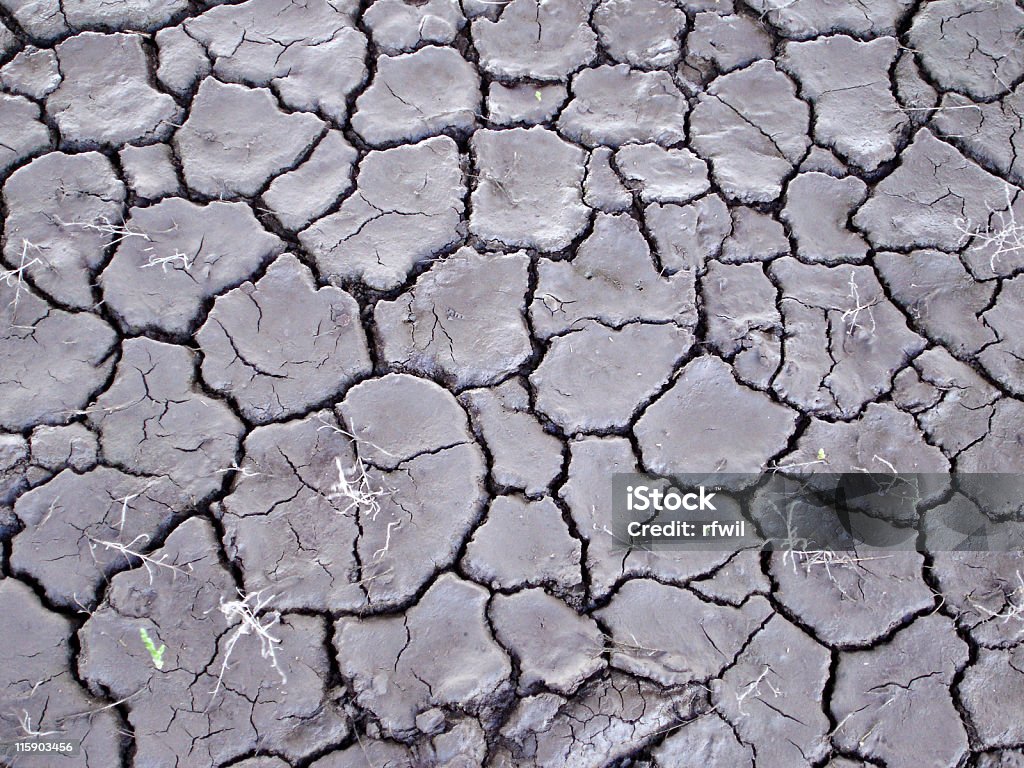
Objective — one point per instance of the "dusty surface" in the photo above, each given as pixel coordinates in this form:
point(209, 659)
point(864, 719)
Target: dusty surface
point(324, 324)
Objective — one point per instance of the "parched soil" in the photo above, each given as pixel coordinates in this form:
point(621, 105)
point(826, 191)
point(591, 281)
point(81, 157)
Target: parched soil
point(324, 325)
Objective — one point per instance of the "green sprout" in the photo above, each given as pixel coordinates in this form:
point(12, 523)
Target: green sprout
point(821, 454)
point(538, 95)
point(157, 654)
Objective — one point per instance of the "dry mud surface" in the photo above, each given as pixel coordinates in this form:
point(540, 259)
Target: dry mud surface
point(325, 323)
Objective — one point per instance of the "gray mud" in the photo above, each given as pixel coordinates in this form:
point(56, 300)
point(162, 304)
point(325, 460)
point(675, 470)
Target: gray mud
point(324, 324)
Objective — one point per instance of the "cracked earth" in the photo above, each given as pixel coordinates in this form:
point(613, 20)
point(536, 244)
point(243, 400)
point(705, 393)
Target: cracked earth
point(325, 324)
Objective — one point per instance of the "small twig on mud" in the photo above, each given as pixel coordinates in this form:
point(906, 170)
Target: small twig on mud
point(354, 439)
point(840, 724)
point(124, 504)
point(168, 261)
point(150, 563)
point(883, 460)
point(108, 409)
point(362, 748)
point(387, 540)
point(25, 723)
point(243, 471)
point(618, 539)
point(678, 725)
point(1014, 609)
point(82, 608)
point(895, 481)
point(754, 689)
point(16, 277)
point(252, 618)
point(932, 109)
point(858, 307)
point(878, 721)
point(799, 465)
point(368, 579)
point(634, 647)
point(54, 506)
point(90, 712)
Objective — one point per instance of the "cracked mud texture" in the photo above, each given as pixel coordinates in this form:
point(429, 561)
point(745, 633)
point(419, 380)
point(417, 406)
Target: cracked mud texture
point(324, 325)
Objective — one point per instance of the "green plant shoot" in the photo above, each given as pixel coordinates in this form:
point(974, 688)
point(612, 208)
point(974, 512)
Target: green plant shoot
point(157, 654)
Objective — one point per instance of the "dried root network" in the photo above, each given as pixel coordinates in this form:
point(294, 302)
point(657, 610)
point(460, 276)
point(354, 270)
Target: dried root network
point(25, 723)
point(131, 553)
point(1002, 237)
point(356, 490)
point(825, 558)
point(1013, 610)
point(176, 260)
point(117, 232)
point(15, 278)
point(249, 616)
